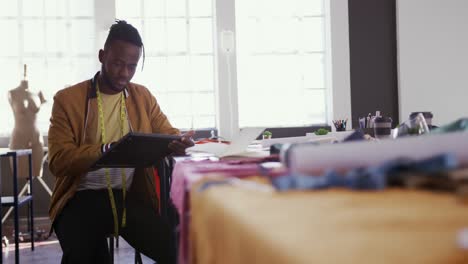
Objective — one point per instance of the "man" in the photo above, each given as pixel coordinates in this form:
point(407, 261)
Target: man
point(87, 206)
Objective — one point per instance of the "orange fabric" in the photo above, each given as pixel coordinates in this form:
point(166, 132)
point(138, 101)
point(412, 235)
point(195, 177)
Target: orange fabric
point(240, 225)
point(207, 140)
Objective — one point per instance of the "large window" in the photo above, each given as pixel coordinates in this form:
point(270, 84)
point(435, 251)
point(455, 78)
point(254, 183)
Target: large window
point(276, 74)
point(54, 38)
point(280, 47)
point(178, 69)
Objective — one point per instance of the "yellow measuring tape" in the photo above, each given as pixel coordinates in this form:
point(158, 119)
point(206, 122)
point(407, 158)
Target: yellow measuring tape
point(123, 118)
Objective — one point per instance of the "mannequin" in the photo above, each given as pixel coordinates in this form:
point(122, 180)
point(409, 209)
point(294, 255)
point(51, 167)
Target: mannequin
point(25, 105)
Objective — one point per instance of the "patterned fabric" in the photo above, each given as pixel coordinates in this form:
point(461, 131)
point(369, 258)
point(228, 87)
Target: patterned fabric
point(371, 178)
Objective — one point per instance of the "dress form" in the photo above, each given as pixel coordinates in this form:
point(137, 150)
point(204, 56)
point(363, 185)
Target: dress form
point(25, 135)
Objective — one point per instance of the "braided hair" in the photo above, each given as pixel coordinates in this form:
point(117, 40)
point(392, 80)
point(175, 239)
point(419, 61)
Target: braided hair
point(124, 31)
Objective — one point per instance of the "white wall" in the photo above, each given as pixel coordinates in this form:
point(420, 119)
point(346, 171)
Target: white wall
point(432, 37)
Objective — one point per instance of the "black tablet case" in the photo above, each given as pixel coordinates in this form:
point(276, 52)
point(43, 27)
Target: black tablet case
point(136, 150)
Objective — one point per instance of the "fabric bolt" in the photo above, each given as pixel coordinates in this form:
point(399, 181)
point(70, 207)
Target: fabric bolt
point(231, 224)
point(188, 172)
point(371, 178)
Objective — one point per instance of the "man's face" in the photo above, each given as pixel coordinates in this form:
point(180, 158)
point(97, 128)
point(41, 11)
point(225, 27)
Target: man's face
point(119, 62)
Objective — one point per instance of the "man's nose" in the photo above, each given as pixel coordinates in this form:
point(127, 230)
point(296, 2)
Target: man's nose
point(124, 72)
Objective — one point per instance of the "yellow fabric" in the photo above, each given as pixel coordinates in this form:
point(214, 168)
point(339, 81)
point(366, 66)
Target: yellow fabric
point(237, 225)
point(73, 126)
point(111, 110)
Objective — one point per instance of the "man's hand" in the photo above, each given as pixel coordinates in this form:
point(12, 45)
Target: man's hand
point(178, 146)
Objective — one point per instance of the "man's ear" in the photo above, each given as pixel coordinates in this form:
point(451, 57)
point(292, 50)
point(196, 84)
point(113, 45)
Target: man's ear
point(101, 55)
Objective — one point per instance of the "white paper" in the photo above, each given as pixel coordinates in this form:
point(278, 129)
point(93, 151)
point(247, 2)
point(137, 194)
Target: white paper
point(306, 158)
point(293, 140)
point(238, 146)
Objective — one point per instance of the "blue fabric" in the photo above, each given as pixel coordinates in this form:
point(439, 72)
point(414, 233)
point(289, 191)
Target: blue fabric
point(370, 178)
point(459, 125)
point(213, 183)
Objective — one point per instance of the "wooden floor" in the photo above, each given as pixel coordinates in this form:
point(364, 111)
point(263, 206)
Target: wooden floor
point(49, 251)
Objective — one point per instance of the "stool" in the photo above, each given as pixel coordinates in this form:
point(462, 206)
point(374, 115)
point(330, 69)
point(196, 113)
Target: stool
point(18, 200)
point(138, 259)
point(27, 186)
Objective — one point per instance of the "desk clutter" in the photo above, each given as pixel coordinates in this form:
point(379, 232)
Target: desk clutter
point(374, 199)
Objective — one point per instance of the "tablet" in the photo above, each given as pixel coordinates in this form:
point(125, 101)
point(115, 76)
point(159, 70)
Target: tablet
point(136, 150)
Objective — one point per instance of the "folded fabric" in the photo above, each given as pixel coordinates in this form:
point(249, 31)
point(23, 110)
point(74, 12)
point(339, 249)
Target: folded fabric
point(458, 125)
point(370, 178)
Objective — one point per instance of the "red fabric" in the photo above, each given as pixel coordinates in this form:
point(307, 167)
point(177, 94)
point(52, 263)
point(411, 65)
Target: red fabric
point(207, 140)
point(158, 187)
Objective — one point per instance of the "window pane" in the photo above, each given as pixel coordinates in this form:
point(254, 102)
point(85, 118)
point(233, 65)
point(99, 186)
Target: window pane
point(82, 8)
point(313, 70)
point(177, 70)
point(161, 99)
point(311, 7)
point(8, 8)
point(201, 73)
point(314, 102)
point(55, 8)
point(203, 104)
point(201, 35)
point(201, 7)
point(176, 35)
point(12, 72)
point(155, 8)
point(282, 34)
point(249, 28)
point(181, 122)
point(154, 74)
point(183, 105)
point(56, 42)
point(82, 36)
point(175, 8)
point(286, 8)
point(82, 69)
point(58, 76)
point(33, 36)
point(274, 61)
point(204, 121)
point(246, 9)
point(10, 47)
point(36, 72)
point(272, 77)
point(313, 33)
point(127, 9)
point(32, 8)
point(155, 36)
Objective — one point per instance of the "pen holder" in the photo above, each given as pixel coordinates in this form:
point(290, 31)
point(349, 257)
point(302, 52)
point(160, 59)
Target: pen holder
point(340, 125)
point(382, 127)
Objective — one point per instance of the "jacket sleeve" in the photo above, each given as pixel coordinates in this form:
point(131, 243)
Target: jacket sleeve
point(66, 157)
point(159, 122)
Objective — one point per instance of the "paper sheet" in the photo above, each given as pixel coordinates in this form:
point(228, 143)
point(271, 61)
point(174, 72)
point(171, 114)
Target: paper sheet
point(306, 158)
point(238, 146)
